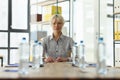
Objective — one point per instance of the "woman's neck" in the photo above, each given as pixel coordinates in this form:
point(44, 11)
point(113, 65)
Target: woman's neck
point(57, 35)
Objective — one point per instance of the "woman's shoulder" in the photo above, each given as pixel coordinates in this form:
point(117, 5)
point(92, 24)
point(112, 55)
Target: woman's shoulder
point(68, 38)
point(46, 38)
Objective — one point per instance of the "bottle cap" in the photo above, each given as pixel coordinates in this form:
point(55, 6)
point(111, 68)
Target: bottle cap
point(75, 43)
point(101, 38)
point(35, 41)
point(81, 41)
point(39, 43)
point(24, 38)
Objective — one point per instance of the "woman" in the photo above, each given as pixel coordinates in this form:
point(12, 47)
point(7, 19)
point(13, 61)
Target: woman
point(57, 47)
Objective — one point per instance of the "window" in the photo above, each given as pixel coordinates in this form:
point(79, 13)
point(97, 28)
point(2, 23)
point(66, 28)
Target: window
point(14, 24)
point(3, 39)
point(19, 14)
point(3, 14)
point(3, 30)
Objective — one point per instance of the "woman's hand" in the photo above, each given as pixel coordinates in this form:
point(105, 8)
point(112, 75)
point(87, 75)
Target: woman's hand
point(61, 59)
point(49, 59)
point(58, 59)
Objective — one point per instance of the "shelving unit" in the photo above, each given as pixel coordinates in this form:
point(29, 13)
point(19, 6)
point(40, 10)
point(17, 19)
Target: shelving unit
point(49, 2)
point(42, 25)
point(117, 32)
point(45, 22)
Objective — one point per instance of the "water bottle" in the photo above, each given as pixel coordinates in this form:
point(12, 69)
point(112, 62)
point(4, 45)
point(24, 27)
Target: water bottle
point(36, 55)
point(81, 53)
point(24, 56)
point(41, 54)
point(75, 60)
point(101, 57)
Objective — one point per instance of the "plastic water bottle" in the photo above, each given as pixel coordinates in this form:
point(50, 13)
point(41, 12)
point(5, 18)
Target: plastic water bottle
point(81, 53)
point(75, 60)
point(41, 54)
point(101, 57)
point(36, 55)
point(24, 56)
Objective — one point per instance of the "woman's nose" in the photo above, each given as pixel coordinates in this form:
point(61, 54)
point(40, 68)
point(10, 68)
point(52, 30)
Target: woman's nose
point(56, 24)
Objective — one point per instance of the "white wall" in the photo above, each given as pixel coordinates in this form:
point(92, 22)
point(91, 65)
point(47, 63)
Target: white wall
point(78, 21)
point(106, 29)
point(84, 26)
point(86, 21)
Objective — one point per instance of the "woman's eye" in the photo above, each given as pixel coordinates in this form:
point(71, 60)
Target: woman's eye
point(53, 23)
point(59, 23)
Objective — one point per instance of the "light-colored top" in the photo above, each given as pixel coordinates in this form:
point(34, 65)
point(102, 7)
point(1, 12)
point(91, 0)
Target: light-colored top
point(59, 48)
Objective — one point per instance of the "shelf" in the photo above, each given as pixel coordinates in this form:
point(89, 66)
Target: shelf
point(48, 2)
point(117, 13)
point(117, 41)
point(109, 15)
point(41, 22)
point(45, 22)
point(109, 4)
point(42, 6)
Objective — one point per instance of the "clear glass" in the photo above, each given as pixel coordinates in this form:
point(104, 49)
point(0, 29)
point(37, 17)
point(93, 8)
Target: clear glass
point(3, 39)
point(19, 14)
point(101, 58)
point(15, 38)
point(4, 53)
point(81, 53)
point(75, 58)
point(24, 57)
point(36, 55)
point(3, 14)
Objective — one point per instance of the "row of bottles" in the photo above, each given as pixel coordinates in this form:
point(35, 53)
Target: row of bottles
point(78, 56)
point(37, 56)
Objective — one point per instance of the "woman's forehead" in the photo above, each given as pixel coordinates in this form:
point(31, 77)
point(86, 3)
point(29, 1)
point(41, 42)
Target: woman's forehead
point(56, 20)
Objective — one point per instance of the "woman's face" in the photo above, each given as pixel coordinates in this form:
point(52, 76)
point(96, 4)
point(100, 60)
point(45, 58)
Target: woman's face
point(57, 25)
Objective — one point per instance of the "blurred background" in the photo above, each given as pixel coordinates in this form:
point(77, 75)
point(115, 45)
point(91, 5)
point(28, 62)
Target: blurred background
point(85, 20)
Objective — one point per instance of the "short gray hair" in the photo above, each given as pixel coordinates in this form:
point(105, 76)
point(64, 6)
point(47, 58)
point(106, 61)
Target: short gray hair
point(59, 17)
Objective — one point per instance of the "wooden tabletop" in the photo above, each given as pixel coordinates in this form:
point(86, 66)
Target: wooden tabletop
point(60, 70)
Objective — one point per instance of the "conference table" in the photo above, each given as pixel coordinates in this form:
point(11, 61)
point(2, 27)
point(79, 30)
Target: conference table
point(58, 70)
